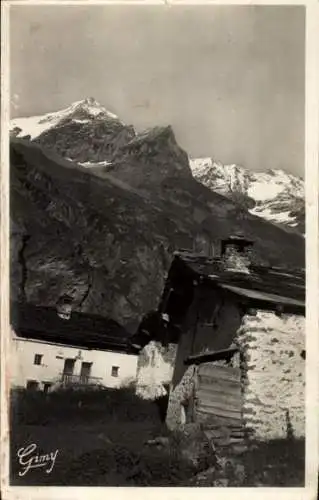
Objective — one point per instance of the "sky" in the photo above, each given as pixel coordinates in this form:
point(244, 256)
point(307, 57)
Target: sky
point(230, 80)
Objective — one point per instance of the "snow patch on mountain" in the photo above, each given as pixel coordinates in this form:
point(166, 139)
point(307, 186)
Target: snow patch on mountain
point(281, 217)
point(81, 121)
point(88, 164)
point(32, 126)
point(260, 191)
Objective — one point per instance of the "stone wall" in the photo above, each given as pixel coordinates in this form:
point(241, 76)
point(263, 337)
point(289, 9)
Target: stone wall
point(180, 394)
point(274, 374)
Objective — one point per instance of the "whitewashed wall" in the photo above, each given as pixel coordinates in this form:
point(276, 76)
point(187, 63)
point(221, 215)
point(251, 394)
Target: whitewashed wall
point(274, 374)
point(155, 369)
point(23, 367)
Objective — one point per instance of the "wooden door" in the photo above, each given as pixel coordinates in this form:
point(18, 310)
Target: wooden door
point(68, 367)
point(67, 375)
point(85, 372)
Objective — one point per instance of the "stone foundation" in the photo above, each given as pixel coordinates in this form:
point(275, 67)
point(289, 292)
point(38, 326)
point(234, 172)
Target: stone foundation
point(182, 392)
point(273, 375)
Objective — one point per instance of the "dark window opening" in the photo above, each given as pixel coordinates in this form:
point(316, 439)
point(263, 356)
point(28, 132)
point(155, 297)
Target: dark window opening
point(115, 371)
point(32, 385)
point(85, 371)
point(46, 386)
point(38, 359)
point(303, 354)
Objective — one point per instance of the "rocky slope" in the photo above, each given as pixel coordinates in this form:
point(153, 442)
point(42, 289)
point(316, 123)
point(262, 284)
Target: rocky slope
point(106, 235)
point(274, 195)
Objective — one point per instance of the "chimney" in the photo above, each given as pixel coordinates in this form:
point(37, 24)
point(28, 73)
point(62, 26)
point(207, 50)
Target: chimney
point(203, 246)
point(64, 307)
point(200, 245)
point(236, 253)
point(211, 251)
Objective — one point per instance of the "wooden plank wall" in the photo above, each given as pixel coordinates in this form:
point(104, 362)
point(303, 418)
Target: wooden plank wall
point(218, 396)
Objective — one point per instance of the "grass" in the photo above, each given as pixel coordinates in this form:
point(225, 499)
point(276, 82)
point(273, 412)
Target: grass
point(80, 406)
point(100, 436)
point(276, 463)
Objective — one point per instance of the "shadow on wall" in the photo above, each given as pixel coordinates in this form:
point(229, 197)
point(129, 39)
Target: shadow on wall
point(162, 404)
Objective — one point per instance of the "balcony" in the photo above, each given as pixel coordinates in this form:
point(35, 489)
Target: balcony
point(79, 380)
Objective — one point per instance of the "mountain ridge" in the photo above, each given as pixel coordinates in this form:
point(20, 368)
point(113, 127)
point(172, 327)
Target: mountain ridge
point(87, 133)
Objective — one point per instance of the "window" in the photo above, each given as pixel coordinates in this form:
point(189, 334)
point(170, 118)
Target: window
point(38, 359)
point(115, 371)
point(46, 386)
point(32, 385)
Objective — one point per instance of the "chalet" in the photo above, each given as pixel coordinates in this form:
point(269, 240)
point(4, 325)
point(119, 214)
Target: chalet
point(54, 347)
point(239, 332)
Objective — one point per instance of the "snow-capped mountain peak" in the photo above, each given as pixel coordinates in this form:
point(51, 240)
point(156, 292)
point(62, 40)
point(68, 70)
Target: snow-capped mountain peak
point(91, 107)
point(220, 178)
point(275, 195)
point(79, 112)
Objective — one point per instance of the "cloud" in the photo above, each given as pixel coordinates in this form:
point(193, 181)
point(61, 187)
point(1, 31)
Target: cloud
point(14, 101)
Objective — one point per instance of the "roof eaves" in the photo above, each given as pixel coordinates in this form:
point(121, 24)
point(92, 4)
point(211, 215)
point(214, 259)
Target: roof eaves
point(263, 296)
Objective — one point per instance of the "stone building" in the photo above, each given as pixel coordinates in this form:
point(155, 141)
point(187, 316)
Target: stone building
point(239, 368)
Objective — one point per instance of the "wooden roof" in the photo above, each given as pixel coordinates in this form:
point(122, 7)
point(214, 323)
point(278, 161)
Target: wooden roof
point(81, 330)
point(263, 296)
point(265, 287)
point(273, 284)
